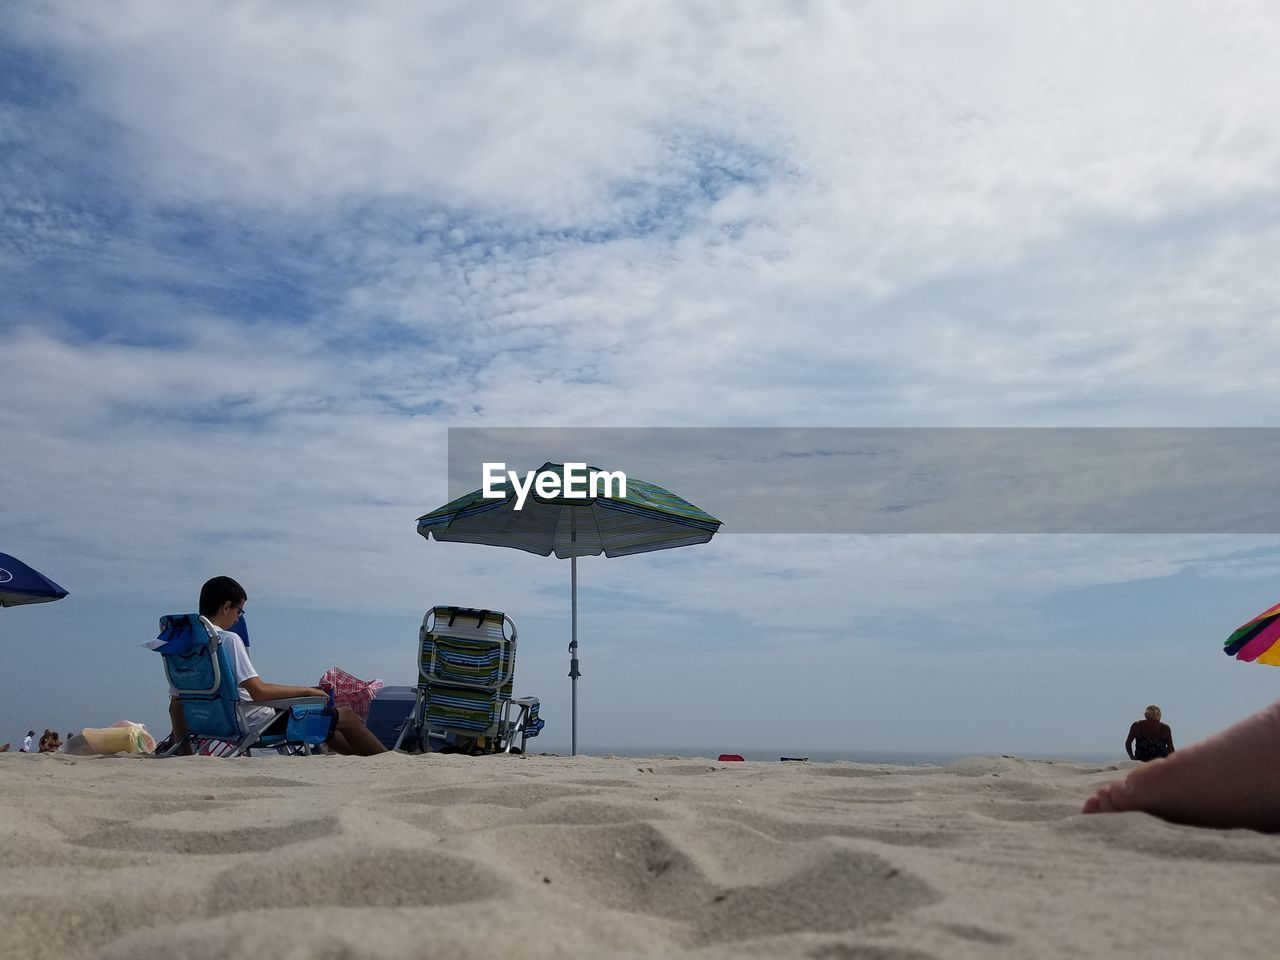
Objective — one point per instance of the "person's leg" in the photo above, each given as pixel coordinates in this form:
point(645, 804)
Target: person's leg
point(353, 737)
point(338, 744)
point(1232, 779)
point(179, 721)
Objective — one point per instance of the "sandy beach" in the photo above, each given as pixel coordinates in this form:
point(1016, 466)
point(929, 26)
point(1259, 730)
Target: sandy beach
point(399, 856)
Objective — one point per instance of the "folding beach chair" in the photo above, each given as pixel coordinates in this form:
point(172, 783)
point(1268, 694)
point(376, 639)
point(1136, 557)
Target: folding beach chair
point(201, 679)
point(466, 668)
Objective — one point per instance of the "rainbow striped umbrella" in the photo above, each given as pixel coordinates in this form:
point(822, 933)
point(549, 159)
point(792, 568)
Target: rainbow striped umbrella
point(648, 518)
point(1258, 641)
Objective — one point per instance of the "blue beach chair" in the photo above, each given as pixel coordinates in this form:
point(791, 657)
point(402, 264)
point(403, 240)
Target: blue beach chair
point(466, 669)
point(200, 677)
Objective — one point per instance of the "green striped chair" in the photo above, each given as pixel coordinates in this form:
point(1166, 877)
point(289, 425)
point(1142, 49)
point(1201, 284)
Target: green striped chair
point(466, 668)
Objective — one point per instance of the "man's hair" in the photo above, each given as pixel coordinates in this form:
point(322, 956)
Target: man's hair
point(218, 591)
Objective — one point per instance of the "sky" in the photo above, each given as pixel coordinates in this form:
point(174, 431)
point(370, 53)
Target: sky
point(257, 259)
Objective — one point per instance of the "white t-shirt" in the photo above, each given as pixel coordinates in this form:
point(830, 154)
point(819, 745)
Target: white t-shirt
point(26, 744)
point(242, 667)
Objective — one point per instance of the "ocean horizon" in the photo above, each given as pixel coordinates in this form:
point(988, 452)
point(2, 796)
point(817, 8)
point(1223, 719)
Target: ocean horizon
point(898, 758)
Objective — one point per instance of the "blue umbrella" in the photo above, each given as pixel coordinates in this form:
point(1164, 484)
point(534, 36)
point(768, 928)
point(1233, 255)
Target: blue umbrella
point(20, 584)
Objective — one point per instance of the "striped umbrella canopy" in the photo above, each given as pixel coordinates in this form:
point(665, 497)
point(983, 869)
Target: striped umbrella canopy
point(1257, 641)
point(647, 518)
point(20, 584)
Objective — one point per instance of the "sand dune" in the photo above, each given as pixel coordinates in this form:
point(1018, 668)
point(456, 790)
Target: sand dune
point(396, 856)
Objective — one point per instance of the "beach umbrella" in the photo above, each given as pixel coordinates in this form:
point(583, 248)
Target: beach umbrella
point(1257, 641)
point(647, 518)
point(20, 584)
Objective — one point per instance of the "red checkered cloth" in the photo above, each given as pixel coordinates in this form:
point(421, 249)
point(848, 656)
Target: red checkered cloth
point(349, 691)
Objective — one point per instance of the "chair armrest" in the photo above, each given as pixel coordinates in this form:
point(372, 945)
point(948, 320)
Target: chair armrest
point(288, 702)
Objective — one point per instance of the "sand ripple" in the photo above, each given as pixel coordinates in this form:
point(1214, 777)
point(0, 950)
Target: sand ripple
point(542, 857)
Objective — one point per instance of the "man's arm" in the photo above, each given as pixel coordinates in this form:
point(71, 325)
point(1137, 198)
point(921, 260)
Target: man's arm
point(1128, 744)
point(259, 689)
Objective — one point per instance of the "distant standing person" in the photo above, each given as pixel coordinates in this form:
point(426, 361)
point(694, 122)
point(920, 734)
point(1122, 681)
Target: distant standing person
point(1149, 739)
point(26, 741)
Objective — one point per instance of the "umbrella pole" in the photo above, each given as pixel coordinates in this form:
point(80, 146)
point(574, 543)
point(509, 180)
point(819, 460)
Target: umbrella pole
point(573, 654)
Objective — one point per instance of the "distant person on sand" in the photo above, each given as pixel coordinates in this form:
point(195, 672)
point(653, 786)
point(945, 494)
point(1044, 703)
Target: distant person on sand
point(1232, 779)
point(1149, 739)
point(222, 603)
point(26, 741)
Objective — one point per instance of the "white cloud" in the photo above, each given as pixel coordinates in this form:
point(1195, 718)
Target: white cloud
point(612, 214)
point(554, 193)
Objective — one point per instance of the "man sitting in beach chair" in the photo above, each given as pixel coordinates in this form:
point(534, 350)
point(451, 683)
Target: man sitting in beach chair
point(222, 602)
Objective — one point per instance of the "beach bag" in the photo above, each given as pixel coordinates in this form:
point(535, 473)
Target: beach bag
point(310, 723)
point(123, 736)
point(348, 691)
